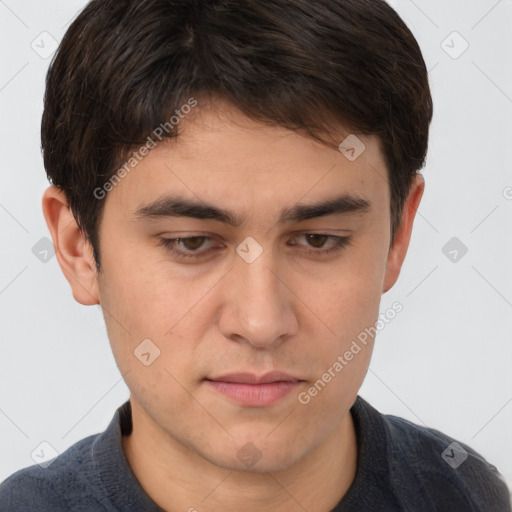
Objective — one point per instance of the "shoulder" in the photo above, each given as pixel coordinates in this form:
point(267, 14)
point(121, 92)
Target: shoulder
point(442, 470)
point(53, 486)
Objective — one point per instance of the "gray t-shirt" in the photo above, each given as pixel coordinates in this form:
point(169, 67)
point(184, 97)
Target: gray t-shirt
point(401, 467)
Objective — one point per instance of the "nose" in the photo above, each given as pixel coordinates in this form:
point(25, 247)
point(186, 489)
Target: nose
point(258, 306)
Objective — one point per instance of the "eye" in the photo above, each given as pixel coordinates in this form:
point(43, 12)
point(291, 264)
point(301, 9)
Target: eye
point(191, 245)
point(194, 246)
point(319, 240)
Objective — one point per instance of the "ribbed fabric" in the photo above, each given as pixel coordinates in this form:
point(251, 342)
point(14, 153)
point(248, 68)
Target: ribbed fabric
point(399, 468)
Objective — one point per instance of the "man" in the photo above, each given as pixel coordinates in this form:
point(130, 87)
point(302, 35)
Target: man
point(235, 183)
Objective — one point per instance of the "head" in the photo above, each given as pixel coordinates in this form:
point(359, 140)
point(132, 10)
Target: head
point(301, 125)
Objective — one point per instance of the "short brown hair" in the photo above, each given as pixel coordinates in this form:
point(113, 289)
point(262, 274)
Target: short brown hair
point(124, 66)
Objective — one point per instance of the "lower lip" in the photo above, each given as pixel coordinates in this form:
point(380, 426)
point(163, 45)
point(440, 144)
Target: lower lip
point(255, 395)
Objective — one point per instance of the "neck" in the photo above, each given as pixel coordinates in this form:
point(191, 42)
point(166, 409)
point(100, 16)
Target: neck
point(178, 479)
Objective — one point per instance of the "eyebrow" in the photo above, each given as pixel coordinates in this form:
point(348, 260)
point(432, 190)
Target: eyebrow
point(175, 206)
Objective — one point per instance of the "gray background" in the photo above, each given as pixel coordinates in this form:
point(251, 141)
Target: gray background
point(444, 361)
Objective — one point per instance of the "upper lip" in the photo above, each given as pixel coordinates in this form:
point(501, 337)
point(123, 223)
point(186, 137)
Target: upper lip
point(252, 378)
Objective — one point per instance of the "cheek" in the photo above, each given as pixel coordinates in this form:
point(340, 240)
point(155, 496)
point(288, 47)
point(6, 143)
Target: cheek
point(342, 354)
point(343, 332)
point(151, 319)
point(342, 315)
point(149, 296)
point(347, 300)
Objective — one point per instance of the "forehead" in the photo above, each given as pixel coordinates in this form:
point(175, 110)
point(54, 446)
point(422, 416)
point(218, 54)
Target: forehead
point(221, 157)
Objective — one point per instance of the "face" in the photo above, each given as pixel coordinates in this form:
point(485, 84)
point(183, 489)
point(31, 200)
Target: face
point(278, 288)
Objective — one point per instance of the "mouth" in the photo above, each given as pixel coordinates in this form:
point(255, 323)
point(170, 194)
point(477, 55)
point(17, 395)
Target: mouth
point(254, 390)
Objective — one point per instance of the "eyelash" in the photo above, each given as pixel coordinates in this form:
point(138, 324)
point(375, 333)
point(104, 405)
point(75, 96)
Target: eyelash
point(169, 244)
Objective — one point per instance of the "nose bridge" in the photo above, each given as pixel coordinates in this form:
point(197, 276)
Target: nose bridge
point(259, 283)
point(257, 306)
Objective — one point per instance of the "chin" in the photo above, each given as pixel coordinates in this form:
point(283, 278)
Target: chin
point(264, 465)
point(258, 456)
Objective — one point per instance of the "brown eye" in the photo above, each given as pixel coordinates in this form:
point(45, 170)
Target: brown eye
point(322, 244)
point(193, 243)
point(317, 240)
point(187, 247)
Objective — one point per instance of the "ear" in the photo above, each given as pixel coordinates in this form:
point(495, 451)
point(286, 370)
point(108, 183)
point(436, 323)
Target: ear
point(398, 251)
point(72, 249)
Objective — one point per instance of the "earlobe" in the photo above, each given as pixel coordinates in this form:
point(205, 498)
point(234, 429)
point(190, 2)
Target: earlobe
point(72, 249)
point(400, 245)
